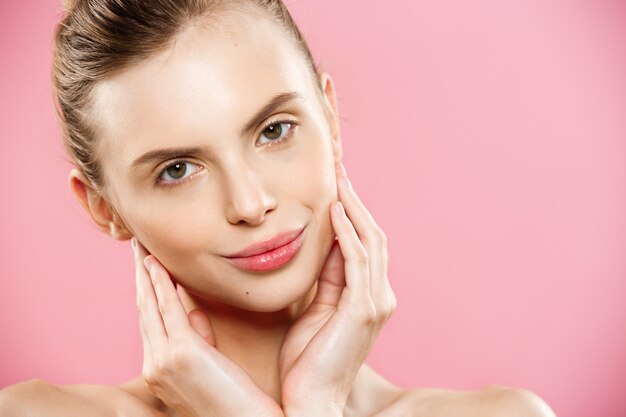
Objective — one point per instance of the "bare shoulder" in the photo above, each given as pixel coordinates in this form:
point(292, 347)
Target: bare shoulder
point(490, 401)
point(130, 399)
point(42, 398)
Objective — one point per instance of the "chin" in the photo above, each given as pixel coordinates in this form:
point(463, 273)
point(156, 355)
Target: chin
point(290, 286)
point(281, 299)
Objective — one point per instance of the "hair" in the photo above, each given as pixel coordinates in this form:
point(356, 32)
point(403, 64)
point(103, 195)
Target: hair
point(97, 38)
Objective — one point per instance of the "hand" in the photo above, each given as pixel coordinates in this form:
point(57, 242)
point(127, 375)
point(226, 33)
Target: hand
point(325, 348)
point(181, 363)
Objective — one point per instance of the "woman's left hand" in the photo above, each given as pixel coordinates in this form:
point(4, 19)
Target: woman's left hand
point(325, 348)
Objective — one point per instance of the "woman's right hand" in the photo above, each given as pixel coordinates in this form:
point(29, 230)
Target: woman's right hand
point(181, 364)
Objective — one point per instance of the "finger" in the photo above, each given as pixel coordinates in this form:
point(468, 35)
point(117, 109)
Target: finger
point(201, 323)
point(148, 355)
point(153, 330)
point(357, 273)
point(169, 305)
point(332, 278)
point(372, 237)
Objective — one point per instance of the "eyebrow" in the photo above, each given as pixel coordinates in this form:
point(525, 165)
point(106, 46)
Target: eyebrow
point(266, 111)
point(270, 107)
point(168, 153)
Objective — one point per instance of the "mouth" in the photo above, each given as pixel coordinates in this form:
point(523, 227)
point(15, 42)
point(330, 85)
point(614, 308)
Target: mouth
point(270, 254)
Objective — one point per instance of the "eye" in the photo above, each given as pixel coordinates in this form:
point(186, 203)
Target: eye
point(177, 172)
point(278, 131)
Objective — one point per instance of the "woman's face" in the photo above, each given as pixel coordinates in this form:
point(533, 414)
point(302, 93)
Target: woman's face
point(197, 170)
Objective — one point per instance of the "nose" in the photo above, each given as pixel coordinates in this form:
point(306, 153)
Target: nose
point(247, 196)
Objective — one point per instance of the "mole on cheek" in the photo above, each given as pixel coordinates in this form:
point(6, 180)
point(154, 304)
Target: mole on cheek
point(247, 293)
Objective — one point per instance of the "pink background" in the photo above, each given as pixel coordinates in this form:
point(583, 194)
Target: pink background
point(488, 139)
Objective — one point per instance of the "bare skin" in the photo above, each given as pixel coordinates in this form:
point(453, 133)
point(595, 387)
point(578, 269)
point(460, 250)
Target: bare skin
point(369, 397)
point(225, 341)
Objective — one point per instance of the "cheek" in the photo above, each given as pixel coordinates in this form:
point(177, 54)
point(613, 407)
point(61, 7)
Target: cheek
point(315, 171)
point(317, 188)
point(172, 229)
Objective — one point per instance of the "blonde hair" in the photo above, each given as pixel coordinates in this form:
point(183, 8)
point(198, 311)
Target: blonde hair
point(96, 38)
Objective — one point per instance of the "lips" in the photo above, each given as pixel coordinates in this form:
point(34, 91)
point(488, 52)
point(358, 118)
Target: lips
point(270, 254)
point(268, 245)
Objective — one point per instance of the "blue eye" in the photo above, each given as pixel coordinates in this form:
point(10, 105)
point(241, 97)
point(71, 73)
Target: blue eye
point(278, 132)
point(177, 172)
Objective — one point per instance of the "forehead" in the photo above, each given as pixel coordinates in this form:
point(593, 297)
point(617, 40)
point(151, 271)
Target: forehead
point(213, 76)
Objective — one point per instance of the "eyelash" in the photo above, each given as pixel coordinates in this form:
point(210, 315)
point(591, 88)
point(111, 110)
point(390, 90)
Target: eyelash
point(292, 125)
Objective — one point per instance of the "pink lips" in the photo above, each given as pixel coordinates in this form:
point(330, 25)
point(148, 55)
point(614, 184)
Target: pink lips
point(269, 254)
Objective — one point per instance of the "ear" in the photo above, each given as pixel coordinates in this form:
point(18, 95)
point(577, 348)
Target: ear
point(331, 109)
point(97, 206)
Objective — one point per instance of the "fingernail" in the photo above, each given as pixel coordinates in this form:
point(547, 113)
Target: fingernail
point(148, 262)
point(339, 208)
point(133, 242)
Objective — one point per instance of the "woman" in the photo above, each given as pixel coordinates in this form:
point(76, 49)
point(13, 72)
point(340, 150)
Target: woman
point(203, 132)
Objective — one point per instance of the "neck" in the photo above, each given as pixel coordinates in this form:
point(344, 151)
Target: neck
point(237, 330)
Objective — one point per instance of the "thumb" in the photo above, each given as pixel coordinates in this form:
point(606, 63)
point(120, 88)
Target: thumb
point(201, 323)
point(332, 279)
point(333, 270)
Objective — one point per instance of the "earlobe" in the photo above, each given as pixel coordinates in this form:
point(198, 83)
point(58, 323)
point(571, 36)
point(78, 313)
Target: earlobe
point(96, 206)
point(332, 112)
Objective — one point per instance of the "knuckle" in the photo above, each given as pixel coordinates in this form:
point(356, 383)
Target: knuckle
point(380, 236)
point(163, 307)
point(150, 376)
point(367, 315)
point(179, 357)
point(369, 319)
point(393, 303)
point(383, 236)
point(377, 237)
point(389, 309)
point(361, 258)
point(386, 307)
point(162, 366)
